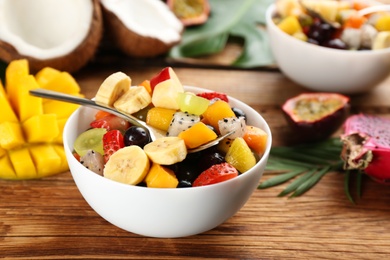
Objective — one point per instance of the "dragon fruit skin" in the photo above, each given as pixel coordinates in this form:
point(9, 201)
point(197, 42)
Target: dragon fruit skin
point(366, 141)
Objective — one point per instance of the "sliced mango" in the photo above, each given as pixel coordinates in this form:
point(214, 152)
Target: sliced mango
point(60, 124)
point(61, 109)
point(159, 117)
point(161, 177)
point(45, 75)
point(216, 111)
point(7, 113)
point(46, 159)
point(2, 152)
point(11, 135)
point(41, 128)
point(15, 70)
point(23, 163)
point(26, 105)
point(197, 135)
point(61, 153)
point(63, 82)
point(7, 170)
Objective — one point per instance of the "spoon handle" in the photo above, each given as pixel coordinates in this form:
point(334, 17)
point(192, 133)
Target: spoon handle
point(374, 9)
point(44, 93)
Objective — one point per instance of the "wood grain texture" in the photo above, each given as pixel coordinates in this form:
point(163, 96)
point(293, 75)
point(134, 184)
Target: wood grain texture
point(49, 219)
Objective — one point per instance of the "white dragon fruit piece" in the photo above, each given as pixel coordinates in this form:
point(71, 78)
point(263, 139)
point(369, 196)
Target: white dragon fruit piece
point(181, 121)
point(232, 124)
point(366, 147)
point(94, 161)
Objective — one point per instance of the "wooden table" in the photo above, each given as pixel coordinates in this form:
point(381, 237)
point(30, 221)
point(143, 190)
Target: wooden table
point(48, 218)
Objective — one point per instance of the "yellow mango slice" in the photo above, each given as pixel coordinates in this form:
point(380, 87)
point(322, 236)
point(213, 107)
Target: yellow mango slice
point(7, 113)
point(46, 159)
point(161, 177)
point(240, 155)
point(61, 153)
point(11, 135)
point(61, 109)
point(216, 111)
point(63, 82)
point(41, 128)
point(2, 152)
point(383, 23)
point(45, 75)
point(60, 124)
point(15, 70)
point(7, 170)
point(197, 135)
point(159, 117)
point(26, 105)
point(290, 25)
point(22, 163)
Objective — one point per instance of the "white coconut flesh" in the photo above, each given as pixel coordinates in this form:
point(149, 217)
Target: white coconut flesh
point(147, 18)
point(45, 29)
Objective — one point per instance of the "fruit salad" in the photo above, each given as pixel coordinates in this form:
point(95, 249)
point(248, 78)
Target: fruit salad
point(126, 153)
point(334, 24)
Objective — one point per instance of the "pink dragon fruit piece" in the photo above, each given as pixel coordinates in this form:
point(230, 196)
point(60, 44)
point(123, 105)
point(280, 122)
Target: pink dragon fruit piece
point(366, 147)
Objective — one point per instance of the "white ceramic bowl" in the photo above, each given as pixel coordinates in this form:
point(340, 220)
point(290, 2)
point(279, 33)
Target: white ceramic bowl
point(324, 69)
point(163, 212)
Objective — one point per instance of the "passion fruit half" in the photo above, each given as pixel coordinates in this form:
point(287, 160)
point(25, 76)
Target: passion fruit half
point(316, 116)
point(190, 12)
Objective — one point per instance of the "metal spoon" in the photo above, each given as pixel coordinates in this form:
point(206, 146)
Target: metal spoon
point(374, 9)
point(154, 133)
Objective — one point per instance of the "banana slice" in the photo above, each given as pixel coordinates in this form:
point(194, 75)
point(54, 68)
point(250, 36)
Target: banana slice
point(128, 165)
point(112, 88)
point(381, 41)
point(166, 150)
point(135, 99)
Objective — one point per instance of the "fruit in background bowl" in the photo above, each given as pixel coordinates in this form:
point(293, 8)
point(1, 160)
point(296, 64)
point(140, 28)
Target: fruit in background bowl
point(324, 69)
point(166, 212)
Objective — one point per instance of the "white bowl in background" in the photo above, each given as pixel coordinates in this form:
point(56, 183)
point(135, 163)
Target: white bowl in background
point(325, 69)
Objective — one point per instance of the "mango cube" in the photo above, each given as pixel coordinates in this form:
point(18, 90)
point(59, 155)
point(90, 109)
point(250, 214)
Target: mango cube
point(23, 163)
point(64, 162)
point(161, 177)
point(61, 109)
point(7, 113)
point(45, 75)
point(63, 82)
point(41, 128)
point(46, 159)
point(7, 170)
point(11, 135)
point(26, 105)
point(15, 70)
point(61, 124)
point(2, 152)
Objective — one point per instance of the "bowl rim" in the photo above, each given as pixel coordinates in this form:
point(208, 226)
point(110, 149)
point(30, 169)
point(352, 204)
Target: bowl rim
point(270, 25)
point(262, 160)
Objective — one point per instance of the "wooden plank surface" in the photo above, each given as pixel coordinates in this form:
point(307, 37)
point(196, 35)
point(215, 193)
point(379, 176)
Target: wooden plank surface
point(49, 219)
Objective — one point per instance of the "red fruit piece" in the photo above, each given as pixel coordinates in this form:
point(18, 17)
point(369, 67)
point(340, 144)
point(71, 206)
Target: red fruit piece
point(215, 174)
point(214, 95)
point(160, 77)
point(110, 122)
point(112, 142)
point(366, 140)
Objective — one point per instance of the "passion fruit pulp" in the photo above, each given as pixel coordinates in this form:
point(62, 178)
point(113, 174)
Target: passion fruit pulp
point(190, 12)
point(316, 116)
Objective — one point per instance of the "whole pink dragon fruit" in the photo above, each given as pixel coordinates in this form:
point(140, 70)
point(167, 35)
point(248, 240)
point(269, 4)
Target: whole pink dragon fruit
point(366, 146)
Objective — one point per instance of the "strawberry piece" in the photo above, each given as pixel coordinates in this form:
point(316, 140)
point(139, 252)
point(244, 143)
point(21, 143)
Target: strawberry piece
point(215, 174)
point(110, 122)
point(112, 142)
point(214, 95)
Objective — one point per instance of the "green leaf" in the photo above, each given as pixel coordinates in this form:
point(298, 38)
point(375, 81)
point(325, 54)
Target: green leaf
point(256, 51)
point(297, 183)
point(346, 186)
point(280, 179)
point(229, 18)
point(313, 180)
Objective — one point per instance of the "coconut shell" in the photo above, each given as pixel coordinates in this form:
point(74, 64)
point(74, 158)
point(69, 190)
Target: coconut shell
point(71, 62)
point(131, 43)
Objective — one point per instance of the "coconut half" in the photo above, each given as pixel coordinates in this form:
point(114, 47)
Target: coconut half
point(63, 34)
point(145, 28)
